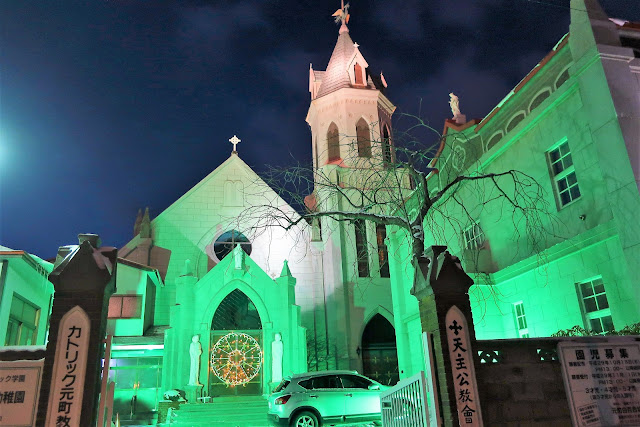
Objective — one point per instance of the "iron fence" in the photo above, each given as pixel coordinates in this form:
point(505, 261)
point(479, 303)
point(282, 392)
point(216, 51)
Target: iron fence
point(405, 404)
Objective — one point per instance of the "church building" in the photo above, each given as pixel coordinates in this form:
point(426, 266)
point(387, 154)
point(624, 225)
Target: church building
point(204, 271)
point(217, 297)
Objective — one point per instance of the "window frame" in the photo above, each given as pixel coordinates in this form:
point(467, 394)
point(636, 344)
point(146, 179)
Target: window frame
point(21, 323)
point(563, 175)
point(523, 332)
point(599, 313)
point(138, 297)
point(362, 249)
point(386, 145)
point(363, 138)
point(333, 143)
point(383, 251)
point(476, 240)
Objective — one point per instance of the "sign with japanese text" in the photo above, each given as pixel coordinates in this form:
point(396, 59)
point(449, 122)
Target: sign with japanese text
point(602, 381)
point(19, 392)
point(70, 363)
point(462, 368)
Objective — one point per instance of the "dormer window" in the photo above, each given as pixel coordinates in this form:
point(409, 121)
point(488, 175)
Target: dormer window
point(356, 68)
point(358, 73)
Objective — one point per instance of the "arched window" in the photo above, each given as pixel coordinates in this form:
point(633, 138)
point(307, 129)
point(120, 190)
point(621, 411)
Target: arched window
point(494, 140)
point(539, 99)
point(364, 138)
point(228, 240)
point(562, 78)
point(386, 144)
point(515, 121)
point(333, 142)
point(357, 71)
point(236, 311)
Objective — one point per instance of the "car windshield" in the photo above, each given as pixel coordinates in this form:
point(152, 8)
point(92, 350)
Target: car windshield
point(283, 384)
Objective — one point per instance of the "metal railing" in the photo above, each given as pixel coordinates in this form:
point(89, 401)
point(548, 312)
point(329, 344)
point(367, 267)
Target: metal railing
point(405, 404)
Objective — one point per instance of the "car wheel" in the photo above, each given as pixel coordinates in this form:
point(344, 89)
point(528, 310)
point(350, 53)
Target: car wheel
point(305, 419)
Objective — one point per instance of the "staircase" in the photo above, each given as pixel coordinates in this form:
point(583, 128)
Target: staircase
point(241, 411)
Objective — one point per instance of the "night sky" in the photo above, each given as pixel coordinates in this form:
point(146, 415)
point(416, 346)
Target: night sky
point(108, 106)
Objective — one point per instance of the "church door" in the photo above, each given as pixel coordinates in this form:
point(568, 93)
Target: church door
point(379, 355)
point(235, 356)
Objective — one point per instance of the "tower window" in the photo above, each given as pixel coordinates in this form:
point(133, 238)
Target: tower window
point(386, 145)
point(363, 136)
point(333, 142)
point(383, 252)
point(361, 248)
point(357, 71)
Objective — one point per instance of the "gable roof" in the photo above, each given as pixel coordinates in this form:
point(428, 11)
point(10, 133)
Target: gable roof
point(234, 159)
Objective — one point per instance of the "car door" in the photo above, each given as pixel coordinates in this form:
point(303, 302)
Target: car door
point(327, 396)
point(360, 401)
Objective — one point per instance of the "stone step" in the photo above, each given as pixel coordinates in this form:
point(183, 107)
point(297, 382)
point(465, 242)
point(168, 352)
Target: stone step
point(242, 411)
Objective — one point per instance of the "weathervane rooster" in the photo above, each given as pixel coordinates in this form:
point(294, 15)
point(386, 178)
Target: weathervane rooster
point(342, 14)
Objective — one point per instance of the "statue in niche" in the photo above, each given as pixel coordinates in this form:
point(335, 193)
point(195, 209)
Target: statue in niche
point(195, 350)
point(277, 350)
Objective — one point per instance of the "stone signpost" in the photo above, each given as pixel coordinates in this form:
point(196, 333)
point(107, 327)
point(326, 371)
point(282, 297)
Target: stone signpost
point(84, 280)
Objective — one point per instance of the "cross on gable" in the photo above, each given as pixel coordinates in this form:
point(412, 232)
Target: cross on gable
point(235, 140)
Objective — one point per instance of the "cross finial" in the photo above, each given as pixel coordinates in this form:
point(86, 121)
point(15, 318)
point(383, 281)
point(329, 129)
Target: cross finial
point(356, 45)
point(235, 140)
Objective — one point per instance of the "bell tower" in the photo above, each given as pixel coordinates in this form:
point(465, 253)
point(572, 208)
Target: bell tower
point(349, 115)
point(352, 146)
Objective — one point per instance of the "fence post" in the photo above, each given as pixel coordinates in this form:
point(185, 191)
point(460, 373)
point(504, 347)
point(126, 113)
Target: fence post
point(440, 283)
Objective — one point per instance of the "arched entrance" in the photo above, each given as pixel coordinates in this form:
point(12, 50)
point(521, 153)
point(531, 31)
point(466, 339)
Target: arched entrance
point(235, 356)
point(379, 354)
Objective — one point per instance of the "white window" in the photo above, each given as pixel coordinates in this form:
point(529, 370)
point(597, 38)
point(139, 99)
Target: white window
point(22, 328)
point(521, 320)
point(595, 305)
point(563, 173)
point(473, 237)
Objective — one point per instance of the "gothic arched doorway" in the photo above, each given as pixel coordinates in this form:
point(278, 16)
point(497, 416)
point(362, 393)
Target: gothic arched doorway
point(379, 354)
point(235, 356)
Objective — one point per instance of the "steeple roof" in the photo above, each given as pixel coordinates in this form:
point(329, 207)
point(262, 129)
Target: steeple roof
point(336, 76)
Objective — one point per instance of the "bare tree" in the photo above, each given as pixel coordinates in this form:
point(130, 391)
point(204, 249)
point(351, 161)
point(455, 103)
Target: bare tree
point(425, 184)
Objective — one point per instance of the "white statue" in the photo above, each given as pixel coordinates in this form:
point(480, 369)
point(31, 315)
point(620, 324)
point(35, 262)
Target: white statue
point(195, 350)
point(277, 350)
point(454, 102)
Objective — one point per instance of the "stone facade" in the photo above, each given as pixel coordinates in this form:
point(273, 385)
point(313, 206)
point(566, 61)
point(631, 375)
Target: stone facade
point(573, 102)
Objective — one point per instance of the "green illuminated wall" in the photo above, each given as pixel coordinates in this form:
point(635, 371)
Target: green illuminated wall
point(594, 236)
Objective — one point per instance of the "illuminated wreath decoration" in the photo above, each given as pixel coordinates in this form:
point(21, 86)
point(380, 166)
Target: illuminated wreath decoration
point(236, 358)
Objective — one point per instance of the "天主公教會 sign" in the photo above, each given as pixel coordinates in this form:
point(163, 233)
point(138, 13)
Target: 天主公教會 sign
point(602, 381)
point(462, 368)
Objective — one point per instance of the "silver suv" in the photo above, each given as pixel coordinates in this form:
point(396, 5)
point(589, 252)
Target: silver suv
point(315, 398)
